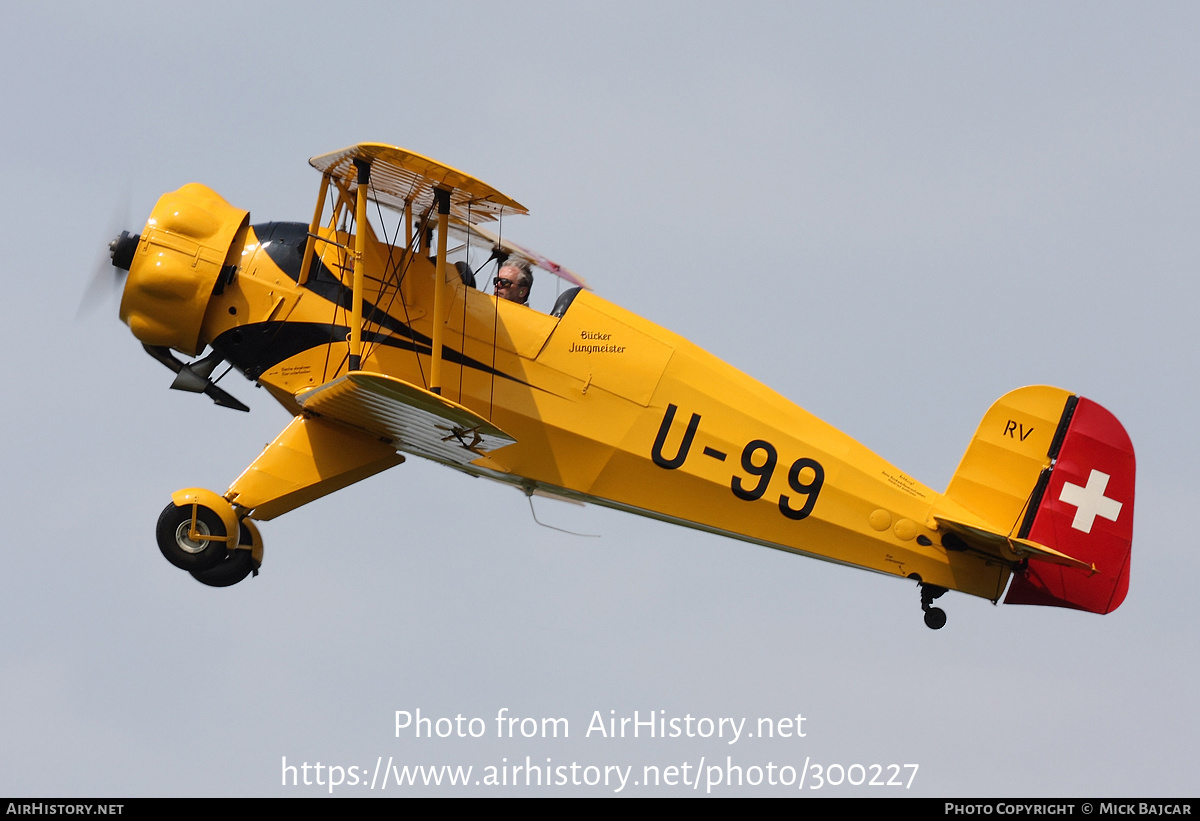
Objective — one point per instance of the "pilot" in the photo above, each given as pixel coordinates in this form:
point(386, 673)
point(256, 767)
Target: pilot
point(514, 280)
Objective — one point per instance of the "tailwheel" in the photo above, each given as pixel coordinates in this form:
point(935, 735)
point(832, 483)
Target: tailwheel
point(192, 530)
point(239, 563)
point(935, 617)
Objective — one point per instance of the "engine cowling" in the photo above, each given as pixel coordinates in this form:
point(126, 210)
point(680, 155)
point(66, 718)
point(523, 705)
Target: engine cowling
point(188, 250)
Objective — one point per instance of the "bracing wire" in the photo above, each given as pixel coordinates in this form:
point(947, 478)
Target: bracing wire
point(393, 270)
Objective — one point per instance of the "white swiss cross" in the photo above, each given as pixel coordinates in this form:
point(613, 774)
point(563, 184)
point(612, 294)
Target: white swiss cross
point(1090, 501)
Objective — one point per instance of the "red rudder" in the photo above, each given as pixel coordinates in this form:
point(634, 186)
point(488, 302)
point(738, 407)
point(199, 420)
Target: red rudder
point(1083, 506)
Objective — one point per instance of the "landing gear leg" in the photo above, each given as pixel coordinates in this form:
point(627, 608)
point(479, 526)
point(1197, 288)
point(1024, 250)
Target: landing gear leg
point(935, 617)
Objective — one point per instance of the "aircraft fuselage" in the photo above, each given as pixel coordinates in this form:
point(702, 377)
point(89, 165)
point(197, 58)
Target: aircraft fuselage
point(605, 407)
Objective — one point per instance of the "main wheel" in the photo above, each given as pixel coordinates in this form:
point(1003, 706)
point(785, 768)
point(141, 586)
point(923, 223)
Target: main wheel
point(176, 544)
point(238, 564)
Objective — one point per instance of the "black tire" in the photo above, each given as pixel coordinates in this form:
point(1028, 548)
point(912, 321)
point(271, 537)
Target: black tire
point(238, 564)
point(935, 618)
point(179, 550)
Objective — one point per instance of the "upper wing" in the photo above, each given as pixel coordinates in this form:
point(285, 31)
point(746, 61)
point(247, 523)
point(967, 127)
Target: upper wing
point(414, 419)
point(402, 178)
point(477, 236)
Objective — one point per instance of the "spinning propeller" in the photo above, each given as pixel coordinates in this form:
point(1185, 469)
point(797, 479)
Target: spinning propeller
point(109, 270)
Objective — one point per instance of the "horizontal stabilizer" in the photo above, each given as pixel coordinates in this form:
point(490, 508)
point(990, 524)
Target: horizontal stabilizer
point(414, 419)
point(1010, 548)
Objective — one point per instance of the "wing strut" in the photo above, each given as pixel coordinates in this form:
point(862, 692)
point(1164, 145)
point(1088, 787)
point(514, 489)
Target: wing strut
point(314, 226)
point(399, 179)
point(439, 290)
point(360, 248)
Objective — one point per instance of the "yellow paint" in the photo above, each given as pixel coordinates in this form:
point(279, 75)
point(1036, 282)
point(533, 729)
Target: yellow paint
point(604, 406)
point(311, 458)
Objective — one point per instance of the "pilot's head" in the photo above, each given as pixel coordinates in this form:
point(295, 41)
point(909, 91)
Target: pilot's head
point(514, 281)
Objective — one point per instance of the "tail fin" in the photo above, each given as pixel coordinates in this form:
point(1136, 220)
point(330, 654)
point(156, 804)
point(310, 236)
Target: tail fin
point(1055, 470)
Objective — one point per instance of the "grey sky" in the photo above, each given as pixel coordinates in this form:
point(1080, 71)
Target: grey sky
point(890, 213)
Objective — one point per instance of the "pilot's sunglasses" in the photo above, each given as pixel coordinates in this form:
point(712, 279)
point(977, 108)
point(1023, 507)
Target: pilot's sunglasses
point(501, 282)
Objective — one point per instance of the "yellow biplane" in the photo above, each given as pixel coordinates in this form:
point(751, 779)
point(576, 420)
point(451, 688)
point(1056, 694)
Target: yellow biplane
point(381, 346)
